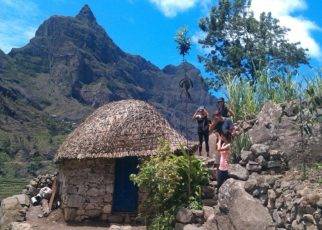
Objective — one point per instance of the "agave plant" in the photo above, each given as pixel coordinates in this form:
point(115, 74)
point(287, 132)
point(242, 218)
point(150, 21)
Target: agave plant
point(183, 41)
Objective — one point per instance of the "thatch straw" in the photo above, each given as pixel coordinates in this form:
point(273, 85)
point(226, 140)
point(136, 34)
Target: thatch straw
point(119, 129)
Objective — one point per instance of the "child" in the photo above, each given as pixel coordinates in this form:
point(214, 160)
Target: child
point(223, 128)
point(223, 149)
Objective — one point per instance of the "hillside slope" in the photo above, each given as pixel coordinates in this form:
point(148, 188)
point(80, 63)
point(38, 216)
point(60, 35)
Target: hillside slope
point(70, 68)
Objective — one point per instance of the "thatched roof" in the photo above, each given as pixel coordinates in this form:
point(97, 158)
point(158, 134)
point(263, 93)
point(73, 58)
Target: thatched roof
point(119, 129)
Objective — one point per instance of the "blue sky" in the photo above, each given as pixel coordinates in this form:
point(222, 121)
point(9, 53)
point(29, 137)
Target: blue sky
point(147, 27)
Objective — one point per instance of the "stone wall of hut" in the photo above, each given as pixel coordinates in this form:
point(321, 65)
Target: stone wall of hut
point(86, 189)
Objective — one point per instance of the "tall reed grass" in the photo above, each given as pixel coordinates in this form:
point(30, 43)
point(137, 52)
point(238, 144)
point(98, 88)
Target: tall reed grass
point(246, 98)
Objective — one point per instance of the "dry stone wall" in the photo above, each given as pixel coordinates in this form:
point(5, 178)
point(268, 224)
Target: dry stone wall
point(87, 189)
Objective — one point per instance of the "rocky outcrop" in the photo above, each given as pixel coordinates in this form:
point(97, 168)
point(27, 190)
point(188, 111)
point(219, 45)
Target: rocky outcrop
point(288, 200)
point(236, 210)
point(243, 210)
point(292, 202)
point(13, 209)
point(82, 62)
point(70, 68)
point(259, 158)
point(277, 126)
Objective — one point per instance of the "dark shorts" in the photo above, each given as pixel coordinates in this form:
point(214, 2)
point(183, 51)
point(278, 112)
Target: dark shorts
point(222, 176)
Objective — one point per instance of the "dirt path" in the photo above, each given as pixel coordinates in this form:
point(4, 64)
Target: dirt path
point(55, 222)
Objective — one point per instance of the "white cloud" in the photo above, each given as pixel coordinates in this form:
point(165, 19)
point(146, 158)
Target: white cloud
point(195, 39)
point(17, 20)
point(170, 8)
point(300, 28)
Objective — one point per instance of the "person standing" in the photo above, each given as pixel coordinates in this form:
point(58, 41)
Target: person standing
point(223, 109)
point(201, 115)
point(223, 129)
point(223, 149)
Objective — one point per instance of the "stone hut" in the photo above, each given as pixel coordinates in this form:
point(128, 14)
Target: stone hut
point(96, 159)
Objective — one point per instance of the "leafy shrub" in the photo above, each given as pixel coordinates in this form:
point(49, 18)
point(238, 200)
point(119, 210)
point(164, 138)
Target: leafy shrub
point(34, 165)
point(4, 158)
point(170, 181)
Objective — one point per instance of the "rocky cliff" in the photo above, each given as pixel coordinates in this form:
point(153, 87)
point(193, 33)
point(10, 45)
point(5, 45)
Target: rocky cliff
point(70, 68)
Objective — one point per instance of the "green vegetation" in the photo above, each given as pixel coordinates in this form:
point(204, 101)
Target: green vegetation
point(238, 44)
point(310, 98)
point(318, 166)
point(246, 99)
point(34, 165)
point(242, 99)
point(183, 42)
point(168, 180)
point(9, 187)
point(4, 158)
point(240, 143)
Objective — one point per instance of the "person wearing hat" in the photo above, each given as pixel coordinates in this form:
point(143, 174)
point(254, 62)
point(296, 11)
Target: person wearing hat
point(223, 109)
point(201, 115)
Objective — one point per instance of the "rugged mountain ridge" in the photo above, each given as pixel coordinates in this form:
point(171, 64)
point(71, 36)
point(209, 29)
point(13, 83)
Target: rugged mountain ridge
point(70, 68)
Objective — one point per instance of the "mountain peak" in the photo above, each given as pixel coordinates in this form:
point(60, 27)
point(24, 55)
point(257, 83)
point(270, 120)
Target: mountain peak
point(86, 14)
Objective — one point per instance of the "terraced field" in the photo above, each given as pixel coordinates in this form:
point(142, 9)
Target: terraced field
point(9, 187)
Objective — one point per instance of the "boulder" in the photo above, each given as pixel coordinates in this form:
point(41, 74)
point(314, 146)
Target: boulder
point(277, 218)
point(197, 216)
point(261, 161)
point(208, 192)
point(297, 225)
point(281, 132)
point(180, 226)
point(308, 218)
point(246, 155)
point(319, 224)
point(250, 185)
point(114, 227)
point(218, 221)
point(275, 165)
point(253, 166)
point(210, 202)
point(313, 198)
point(23, 200)
point(319, 203)
point(236, 171)
point(271, 195)
point(275, 155)
point(243, 210)
point(11, 211)
point(207, 212)
point(184, 216)
point(260, 150)
point(20, 226)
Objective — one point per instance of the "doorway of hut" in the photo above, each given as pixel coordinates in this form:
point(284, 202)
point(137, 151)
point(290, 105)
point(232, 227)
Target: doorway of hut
point(125, 196)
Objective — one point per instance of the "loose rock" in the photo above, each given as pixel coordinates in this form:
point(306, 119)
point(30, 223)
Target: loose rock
point(238, 172)
point(243, 210)
point(184, 216)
